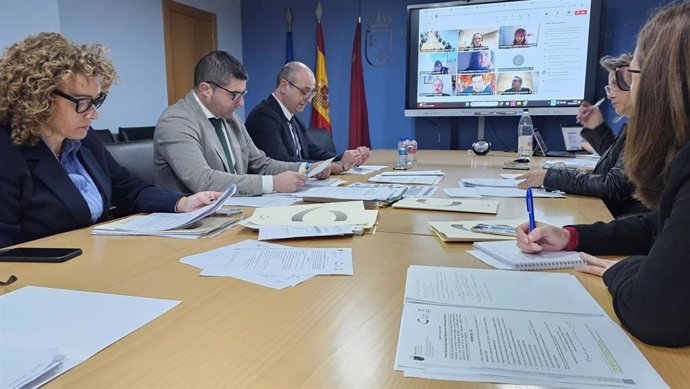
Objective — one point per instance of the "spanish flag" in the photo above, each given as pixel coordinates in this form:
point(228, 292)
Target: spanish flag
point(320, 113)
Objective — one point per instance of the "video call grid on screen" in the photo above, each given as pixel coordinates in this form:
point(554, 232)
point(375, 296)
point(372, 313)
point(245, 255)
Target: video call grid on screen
point(502, 54)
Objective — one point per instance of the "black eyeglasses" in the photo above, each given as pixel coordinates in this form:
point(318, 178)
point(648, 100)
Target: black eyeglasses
point(234, 95)
point(83, 104)
point(309, 95)
point(623, 77)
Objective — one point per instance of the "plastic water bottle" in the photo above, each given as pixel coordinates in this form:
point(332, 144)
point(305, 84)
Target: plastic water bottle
point(411, 147)
point(402, 154)
point(525, 135)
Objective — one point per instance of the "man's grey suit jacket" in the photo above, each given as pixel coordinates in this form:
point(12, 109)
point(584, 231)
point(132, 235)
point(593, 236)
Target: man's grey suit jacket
point(188, 156)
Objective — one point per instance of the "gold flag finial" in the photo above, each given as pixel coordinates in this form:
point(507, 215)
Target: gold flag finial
point(288, 17)
point(319, 11)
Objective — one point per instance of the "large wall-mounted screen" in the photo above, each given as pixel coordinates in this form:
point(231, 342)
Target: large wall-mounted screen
point(498, 57)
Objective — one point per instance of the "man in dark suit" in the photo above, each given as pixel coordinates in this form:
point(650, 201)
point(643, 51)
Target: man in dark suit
point(276, 129)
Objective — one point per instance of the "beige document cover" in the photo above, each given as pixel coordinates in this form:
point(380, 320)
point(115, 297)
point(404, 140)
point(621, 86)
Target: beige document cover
point(460, 231)
point(348, 212)
point(453, 205)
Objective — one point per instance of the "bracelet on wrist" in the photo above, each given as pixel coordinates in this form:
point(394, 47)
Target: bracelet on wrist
point(341, 166)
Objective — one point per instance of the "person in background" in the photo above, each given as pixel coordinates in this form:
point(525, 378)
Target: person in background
point(650, 289)
point(275, 128)
point(439, 68)
point(55, 174)
point(477, 85)
point(520, 38)
point(481, 61)
point(477, 41)
point(517, 88)
point(437, 88)
point(608, 180)
point(200, 143)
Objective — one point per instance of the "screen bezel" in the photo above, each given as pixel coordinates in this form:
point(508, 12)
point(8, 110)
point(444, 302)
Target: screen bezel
point(411, 109)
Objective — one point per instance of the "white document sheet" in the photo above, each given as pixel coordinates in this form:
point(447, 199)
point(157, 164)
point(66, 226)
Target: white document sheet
point(333, 181)
point(462, 192)
point(364, 169)
point(510, 176)
point(410, 190)
point(289, 232)
point(261, 201)
point(78, 324)
point(517, 328)
point(515, 192)
point(414, 173)
point(20, 366)
point(352, 193)
point(320, 167)
point(161, 221)
point(490, 182)
point(297, 261)
point(406, 179)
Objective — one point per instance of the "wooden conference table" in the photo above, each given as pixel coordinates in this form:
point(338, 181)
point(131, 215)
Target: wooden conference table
point(328, 332)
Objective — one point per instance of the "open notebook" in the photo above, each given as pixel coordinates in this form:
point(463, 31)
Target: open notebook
point(506, 255)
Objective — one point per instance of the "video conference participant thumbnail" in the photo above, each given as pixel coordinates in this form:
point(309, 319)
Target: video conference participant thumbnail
point(438, 63)
point(517, 83)
point(477, 39)
point(518, 36)
point(476, 61)
point(435, 85)
point(438, 41)
point(475, 84)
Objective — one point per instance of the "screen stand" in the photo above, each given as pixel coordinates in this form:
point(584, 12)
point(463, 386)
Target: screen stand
point(480, 127)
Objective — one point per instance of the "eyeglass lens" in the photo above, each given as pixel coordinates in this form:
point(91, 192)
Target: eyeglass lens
point(623, 78)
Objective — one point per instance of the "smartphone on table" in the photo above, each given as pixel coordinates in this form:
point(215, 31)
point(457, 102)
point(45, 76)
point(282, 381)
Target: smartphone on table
point(494, 229)
point(38, 254)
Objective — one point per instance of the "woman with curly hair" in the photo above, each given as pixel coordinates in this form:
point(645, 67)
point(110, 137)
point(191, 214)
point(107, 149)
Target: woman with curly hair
point(55, 175)
point(650, 290)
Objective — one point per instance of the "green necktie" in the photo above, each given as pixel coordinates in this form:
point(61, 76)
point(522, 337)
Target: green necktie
point(218, 125)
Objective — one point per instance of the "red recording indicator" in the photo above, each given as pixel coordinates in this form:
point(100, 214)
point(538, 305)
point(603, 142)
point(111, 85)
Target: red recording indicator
point(581, 12)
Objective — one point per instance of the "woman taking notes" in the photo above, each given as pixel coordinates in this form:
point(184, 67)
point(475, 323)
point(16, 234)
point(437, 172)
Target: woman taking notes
point(650, 289)
point(55, 175)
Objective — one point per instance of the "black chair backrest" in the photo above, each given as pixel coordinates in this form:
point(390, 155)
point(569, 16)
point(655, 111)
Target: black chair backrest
point(136, 133)
point(322, 138)
point(105, 135)
point(135, 156)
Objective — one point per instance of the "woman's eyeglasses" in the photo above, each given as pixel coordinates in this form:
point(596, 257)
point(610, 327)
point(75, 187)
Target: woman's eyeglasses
point(623, 77)
point(83, 104)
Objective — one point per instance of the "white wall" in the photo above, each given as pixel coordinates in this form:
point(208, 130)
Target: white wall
point(19, 18)
point(133, 31)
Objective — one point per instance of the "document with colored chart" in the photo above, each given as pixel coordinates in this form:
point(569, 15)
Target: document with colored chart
point(515, 328)
point(461, 230)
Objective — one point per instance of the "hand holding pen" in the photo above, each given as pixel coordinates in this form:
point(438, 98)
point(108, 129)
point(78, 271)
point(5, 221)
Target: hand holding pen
point(589, 115)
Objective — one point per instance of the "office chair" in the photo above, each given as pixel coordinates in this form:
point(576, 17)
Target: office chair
point(322, 138)
point(136, 133)
point(135, 156)
point(105, 135)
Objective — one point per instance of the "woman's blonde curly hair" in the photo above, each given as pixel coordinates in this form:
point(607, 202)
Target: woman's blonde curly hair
point(31, 70)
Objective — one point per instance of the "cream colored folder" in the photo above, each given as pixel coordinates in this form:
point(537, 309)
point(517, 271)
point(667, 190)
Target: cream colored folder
point(460, 231)
point(453, 205)
point(348, 212)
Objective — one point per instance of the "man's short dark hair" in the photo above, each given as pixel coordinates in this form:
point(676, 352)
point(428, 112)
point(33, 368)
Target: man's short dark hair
point(218, 66)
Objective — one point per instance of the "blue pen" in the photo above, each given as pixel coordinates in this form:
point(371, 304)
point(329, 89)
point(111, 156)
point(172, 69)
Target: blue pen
point(530, 210)
point(306, 167)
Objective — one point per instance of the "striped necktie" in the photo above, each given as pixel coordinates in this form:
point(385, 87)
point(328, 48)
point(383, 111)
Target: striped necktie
point(295, 138)
point(218, 125)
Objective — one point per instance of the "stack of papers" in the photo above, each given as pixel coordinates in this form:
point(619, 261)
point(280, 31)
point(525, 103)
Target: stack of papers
point(183, 225)
point(271, 265)
point(461, 230)
point(207, 227)
point(296, 219)
point(46, 331)
point(364, 169)
point(516, 328)
point(262, 201)
point(410, 190)
point(372, 197)
point(489, 182)
point(421, 177)
point(495, 187)
point(588, 163)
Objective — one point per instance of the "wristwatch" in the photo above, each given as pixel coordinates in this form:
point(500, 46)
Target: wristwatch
point(481, 147)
